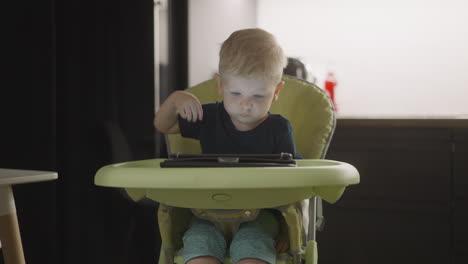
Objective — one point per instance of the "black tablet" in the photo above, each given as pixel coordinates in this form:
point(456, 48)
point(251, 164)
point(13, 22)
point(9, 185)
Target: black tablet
point(180, 160)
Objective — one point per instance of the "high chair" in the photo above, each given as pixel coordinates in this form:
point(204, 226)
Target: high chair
point(241, 192)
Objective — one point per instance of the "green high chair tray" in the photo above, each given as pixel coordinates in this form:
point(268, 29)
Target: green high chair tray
point(230, 188)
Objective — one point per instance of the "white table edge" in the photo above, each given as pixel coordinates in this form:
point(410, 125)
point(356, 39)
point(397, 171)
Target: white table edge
point(14, 176)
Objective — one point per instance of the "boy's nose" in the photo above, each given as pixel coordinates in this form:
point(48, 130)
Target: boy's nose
point(246, 103)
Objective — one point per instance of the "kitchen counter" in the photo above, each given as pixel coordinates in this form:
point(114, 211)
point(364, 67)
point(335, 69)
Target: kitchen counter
point(459, 121)
point(413, 178)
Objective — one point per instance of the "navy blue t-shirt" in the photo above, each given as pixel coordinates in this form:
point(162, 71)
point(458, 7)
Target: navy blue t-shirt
point(218, 135)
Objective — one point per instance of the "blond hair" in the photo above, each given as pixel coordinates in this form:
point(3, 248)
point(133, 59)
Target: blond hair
point(252, 53)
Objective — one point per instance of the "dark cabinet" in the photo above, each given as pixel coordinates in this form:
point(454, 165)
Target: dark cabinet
point(460, 165)
point(411, 205)
point(460, 232)
point(460, 196)
point(396, 164)
point(367, 234)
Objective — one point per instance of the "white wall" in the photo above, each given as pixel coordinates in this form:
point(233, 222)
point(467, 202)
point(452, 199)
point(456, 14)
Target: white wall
point(399, 57)
point(210, 23)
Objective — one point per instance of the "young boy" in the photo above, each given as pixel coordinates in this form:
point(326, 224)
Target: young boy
point(250, 70)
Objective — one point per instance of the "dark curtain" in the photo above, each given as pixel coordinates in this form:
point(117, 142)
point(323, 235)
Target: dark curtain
point(27, 121)
point(78, 94)
point(105, 76)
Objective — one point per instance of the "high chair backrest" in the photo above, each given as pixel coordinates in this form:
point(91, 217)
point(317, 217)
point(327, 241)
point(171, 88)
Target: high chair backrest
point(305, 105)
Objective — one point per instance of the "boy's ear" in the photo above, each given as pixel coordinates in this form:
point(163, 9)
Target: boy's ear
point(219, 85)
point(279, 87)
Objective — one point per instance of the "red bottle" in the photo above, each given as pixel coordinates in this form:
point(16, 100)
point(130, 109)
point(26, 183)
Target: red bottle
point(330, 84)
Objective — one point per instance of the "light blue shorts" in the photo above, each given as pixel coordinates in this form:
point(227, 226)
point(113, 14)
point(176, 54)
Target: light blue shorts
point(254, 239)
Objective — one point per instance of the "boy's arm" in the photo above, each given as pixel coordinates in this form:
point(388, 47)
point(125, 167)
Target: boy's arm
point(178, 103)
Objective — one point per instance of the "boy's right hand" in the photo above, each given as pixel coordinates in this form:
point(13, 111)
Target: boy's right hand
point(188, 106)
point(178, 103)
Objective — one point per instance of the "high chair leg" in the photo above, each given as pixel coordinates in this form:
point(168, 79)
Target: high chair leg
point(312, 218)
point(311, 255)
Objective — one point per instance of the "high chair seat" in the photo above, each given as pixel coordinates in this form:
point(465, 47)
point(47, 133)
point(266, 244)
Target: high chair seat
point(245, 190)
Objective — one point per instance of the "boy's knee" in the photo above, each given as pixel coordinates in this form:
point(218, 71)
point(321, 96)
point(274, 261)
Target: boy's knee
point(203, 231)
point(204, 260)
point(203, 242)
point(251, 261)
point(253, 246)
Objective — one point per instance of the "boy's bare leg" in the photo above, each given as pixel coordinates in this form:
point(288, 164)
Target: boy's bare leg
point(251, 261)
point(204, 260)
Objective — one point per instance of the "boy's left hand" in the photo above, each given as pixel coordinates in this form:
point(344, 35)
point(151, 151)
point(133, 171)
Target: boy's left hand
point(281, 246)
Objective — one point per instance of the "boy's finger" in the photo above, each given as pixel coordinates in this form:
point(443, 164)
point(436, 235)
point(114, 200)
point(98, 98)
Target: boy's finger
point(194, 113)
point(200, 112)
point(188, 114)
point(182, 114)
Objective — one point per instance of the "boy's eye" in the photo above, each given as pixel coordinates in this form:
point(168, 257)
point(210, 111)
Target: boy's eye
point(235, 93)
point(259, 96)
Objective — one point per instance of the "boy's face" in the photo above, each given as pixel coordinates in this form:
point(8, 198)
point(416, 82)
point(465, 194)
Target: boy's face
point(247, 101)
